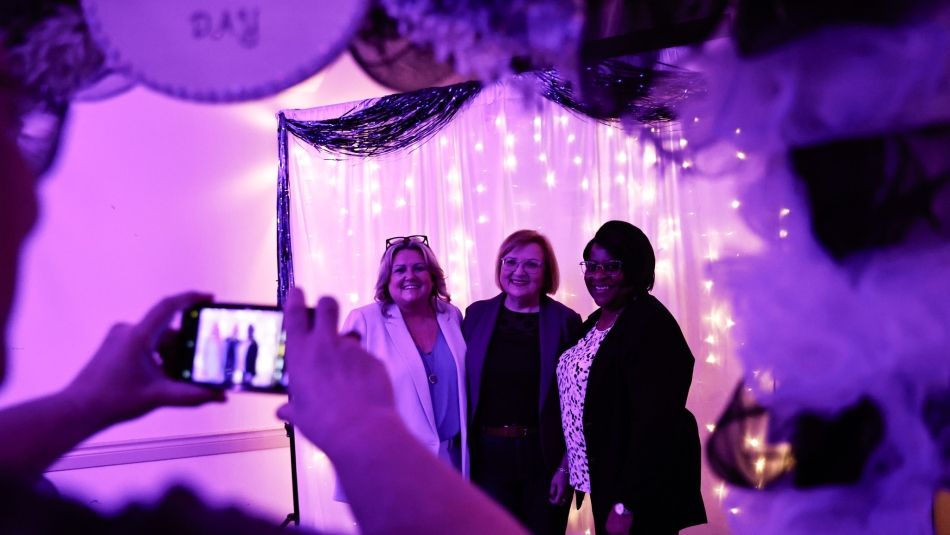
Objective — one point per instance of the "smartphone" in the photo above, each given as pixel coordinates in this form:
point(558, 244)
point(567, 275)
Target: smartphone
point(231, 346)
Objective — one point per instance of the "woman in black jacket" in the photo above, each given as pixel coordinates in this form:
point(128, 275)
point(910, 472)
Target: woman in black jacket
point(631, 442)
point(513, 343)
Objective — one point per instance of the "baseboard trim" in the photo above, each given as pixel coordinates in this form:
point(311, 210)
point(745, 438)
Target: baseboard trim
point(167, 448)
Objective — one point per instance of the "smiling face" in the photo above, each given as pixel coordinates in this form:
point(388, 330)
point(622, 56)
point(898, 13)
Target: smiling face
point(410, 283)
point(525, 280)
point(607, 289)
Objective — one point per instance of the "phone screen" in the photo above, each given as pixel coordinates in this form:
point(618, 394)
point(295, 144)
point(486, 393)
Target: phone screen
point(233, 346)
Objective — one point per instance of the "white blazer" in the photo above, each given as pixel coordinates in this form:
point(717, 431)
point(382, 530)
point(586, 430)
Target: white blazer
point(383, 333)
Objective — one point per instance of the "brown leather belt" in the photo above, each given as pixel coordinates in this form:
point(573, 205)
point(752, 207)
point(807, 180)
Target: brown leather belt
point(509, 431)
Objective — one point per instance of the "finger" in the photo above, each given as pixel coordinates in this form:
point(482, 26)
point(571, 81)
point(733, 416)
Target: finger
point(160, 315)
point(328, 316)
point(295, 312)
point(296, 323)
point(286, 412)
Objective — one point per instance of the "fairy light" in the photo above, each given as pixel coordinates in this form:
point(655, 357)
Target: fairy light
point(376, 209)
point(571, 138)
point(711, 340)
point(542, 157)
point(537, 137)
point(695, 119)
point(735, 510)
point(683, 143)
point(500, 122)
point(585, 184)
point(738, 131)
point(708, 285)
point(409, 182)
point(511, 163)
point(563, 119)
point(759, 465)
point(578, 160)
point(753, 442)
point(537, 121)
point(479, 147)
point(482, 219)
point(782, 233)
point(735, 204)
point(687, 164)
point(621, 157)
point(443, 141)
point(784, 212)
point(741, 155)
point(550, 180)
point(648, 195)
point(480, 188)
point(400, 203)
point(620, 179)
point(372, 166)
point(510, 140)
point(453, 176)
point(649, 156)
point(721, 491)
point(710, 427)
point(353, 297)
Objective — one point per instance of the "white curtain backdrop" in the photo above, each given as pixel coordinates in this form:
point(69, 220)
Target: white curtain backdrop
point(505, 164)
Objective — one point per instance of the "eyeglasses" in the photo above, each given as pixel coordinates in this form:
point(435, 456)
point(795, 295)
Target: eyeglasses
point(610, 268)
point(530, 265)
point(406, 240)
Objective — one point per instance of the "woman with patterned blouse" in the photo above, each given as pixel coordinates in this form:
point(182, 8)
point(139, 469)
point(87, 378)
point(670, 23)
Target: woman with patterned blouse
point(631, 443)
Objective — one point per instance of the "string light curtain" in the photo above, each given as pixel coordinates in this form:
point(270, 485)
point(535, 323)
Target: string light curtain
point(506, 163)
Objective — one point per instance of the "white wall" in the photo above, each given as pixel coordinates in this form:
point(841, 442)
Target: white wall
point(153, 196)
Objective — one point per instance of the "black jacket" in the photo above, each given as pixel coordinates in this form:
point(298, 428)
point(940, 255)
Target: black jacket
point(558, 327)
point(642, 443)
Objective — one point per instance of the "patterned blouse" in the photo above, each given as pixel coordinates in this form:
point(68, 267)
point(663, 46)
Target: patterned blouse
point(573, 369)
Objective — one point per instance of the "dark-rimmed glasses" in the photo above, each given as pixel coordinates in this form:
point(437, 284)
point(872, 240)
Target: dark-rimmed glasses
point(405, 240)
point(530, 265)
point(610, 268)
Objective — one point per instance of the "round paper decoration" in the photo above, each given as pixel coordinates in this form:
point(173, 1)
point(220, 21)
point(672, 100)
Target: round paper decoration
point(222, 50)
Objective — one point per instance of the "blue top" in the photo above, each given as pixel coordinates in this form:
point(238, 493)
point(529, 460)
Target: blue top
point(443, 388)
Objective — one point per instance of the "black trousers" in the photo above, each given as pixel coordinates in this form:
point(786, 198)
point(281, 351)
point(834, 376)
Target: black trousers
point(602, 508)
point(511, 470)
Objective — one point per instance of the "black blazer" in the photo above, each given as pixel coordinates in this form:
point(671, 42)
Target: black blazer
point(642, 443)
point(559, 328)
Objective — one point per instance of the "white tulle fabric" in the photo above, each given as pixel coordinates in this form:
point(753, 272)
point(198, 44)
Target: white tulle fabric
point(820, 335)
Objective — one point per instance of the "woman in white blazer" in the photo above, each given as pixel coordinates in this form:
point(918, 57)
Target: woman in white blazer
point(417, 334)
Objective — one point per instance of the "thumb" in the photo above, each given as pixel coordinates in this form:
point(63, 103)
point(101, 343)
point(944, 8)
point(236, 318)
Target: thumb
point(286, 413)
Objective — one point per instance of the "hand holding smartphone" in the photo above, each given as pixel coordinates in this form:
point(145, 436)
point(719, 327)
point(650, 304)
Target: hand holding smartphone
point(231, 346)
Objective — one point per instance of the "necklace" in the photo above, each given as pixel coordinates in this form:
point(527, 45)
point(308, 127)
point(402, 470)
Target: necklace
point(601, 327)
point(430, 373)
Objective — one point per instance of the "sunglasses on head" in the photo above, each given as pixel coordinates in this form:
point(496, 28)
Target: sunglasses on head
point(405, 240)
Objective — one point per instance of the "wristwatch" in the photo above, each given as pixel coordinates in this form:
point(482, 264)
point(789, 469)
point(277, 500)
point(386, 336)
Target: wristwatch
point(621, 510)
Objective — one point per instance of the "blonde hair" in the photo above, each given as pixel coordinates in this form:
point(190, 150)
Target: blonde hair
point(439, 291)
point(520, 238)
